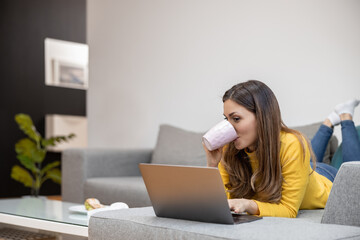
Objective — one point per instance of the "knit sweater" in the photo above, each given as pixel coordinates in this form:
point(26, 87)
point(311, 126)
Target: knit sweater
point(302, 188)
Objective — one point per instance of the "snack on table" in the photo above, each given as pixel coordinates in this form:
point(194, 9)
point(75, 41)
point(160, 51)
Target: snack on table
point(92, 203)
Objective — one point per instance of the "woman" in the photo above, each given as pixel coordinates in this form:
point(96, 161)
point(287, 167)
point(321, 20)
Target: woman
point(266, 170)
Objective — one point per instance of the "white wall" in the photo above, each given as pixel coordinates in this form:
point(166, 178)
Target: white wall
point(170, 61)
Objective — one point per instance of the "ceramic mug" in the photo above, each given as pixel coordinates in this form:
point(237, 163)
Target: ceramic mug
point(219, 135)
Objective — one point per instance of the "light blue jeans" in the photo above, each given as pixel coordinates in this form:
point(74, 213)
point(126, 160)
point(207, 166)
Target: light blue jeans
point(350, 147)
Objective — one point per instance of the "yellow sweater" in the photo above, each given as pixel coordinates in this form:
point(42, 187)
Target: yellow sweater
point(300, 190)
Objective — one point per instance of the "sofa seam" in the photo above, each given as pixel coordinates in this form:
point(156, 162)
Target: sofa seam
point(357, 235)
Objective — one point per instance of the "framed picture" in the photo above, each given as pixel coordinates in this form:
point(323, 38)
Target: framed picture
point(67, 74)
point(66, 64)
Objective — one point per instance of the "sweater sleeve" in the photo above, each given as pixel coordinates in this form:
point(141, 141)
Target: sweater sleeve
point(225, 178)
point(295, 172)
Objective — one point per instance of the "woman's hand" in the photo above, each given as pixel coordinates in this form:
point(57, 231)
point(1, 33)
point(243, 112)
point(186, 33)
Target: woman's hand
point(240, 205)
point(213, 157)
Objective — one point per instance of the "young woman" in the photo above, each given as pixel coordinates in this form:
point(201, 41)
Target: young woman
point(266, 170)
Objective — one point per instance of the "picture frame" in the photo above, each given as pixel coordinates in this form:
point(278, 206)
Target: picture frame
point(66, 64)
point(68, 74)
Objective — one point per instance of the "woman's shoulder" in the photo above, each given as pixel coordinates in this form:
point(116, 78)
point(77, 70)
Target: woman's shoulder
point(292, 150)
point(290, 141)
point(289, 138)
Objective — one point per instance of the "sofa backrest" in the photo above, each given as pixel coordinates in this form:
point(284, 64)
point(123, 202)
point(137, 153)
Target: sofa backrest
point(181, 147)
point(343, 205)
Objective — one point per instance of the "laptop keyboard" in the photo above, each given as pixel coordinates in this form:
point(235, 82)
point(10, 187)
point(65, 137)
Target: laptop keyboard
point(244, 218)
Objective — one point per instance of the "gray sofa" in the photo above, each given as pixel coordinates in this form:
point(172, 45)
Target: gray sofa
point(112, 175)
point(339, 220)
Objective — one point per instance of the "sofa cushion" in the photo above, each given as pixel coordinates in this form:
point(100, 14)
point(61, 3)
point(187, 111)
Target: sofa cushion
point(313, 215)
point(178, 147)
point(130, 190)
point(343, 205)
point(141, 223)
point(310, 130)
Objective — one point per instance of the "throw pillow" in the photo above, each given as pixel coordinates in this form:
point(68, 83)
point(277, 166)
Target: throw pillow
point(178, 147)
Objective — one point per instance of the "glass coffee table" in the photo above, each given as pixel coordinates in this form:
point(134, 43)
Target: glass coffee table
point(43, 214)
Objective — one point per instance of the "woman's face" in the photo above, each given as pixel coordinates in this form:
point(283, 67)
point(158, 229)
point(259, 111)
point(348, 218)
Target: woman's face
point(244, 123)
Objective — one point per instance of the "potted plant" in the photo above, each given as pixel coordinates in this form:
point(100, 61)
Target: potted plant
point(31, 152)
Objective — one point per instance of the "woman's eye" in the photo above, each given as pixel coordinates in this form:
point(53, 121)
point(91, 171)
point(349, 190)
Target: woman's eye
point(225, 118)
point(236, 119)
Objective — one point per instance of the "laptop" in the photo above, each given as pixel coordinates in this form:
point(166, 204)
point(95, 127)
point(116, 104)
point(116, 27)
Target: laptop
point(190, 193)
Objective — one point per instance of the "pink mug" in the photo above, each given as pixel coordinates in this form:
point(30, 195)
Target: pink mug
point(219, 135)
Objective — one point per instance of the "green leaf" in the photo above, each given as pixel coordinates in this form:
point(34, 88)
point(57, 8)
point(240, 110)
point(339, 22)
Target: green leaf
point(54, 140)
point(55, 175)
point(27, 126)
point(29, 149)
point(48, 142)
point(25, 146)
point(21, 175)
point(27, 162)
point(49, 167)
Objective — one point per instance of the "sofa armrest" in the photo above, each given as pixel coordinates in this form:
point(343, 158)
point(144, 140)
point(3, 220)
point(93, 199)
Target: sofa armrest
point(343, 205)
point(81, 164)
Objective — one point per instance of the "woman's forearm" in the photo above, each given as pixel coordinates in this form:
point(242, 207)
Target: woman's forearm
point(253, 208)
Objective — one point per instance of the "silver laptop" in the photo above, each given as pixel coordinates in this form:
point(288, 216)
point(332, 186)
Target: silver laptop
point(190, 193)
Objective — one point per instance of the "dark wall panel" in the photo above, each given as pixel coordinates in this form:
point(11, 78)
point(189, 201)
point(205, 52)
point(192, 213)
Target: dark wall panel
point(24, 25)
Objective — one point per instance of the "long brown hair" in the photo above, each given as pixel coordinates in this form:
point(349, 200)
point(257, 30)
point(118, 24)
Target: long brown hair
point(258, 98)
